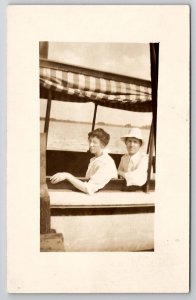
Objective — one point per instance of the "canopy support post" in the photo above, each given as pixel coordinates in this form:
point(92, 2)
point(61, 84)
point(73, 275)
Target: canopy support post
point(150, 159)
point(148, 147)
point(44, 195)
point(43, 50)
point(154, 56)
point(94, 116)
point(47, 118)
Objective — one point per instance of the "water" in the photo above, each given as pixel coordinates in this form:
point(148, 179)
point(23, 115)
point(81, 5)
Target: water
point(73, 136)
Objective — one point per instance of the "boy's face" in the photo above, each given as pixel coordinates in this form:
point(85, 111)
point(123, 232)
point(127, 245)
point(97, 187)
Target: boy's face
point(133, 145)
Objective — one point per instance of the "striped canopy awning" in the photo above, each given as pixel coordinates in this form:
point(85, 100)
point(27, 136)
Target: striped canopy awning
point(76, 84)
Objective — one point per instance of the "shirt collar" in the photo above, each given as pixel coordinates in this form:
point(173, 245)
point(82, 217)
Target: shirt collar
point(105, 153)
point(136, 157)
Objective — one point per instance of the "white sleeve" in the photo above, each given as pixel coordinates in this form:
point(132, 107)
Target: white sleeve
point(103, 175)
point(139, 175)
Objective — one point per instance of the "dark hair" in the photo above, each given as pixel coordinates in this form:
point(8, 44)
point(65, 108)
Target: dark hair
point(101, 134)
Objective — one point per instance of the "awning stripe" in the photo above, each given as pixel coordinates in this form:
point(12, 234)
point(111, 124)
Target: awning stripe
point(81, 84)
point(103, 86)
point(124, 105)
point(88, 88)
point(97, 83)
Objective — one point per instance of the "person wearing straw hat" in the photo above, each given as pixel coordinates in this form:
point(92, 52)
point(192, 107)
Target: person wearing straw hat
point(134, 165)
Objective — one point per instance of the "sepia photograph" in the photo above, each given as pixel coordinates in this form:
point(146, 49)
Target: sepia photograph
point(98, 116)
point(98, 148)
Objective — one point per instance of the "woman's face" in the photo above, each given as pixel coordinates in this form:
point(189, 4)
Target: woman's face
point(95, 145)
point(133, 145)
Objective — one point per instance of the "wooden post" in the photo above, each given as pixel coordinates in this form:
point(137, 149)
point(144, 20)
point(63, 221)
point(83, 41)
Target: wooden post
point(50, 241)
point(154, 57)
point(44, 196)
point(47, 117)
point(154, 54)
point(94, 116)
point(151, 143)
point(148, 148)
point(43, 49)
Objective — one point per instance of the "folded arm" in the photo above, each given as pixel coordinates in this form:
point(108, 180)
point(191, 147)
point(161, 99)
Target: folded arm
point(137, 176)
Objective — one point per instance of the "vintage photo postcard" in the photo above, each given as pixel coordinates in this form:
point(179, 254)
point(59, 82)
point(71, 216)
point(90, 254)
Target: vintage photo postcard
point(98, 136)
point(97, 144)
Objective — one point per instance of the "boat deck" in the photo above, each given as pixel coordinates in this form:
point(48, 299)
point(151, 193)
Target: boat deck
point(65, 202)
point(105, 221)
point(104, 198)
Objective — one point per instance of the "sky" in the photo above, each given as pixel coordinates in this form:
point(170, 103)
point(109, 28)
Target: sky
point(125, 59)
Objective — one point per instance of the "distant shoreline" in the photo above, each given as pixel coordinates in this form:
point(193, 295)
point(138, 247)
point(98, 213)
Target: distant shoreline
point(98, 123)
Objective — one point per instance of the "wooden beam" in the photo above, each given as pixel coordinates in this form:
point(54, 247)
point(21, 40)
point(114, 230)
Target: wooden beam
point(112, 185)
point(100, 210)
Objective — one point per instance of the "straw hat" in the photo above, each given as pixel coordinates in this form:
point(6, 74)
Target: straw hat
point(133, 133)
